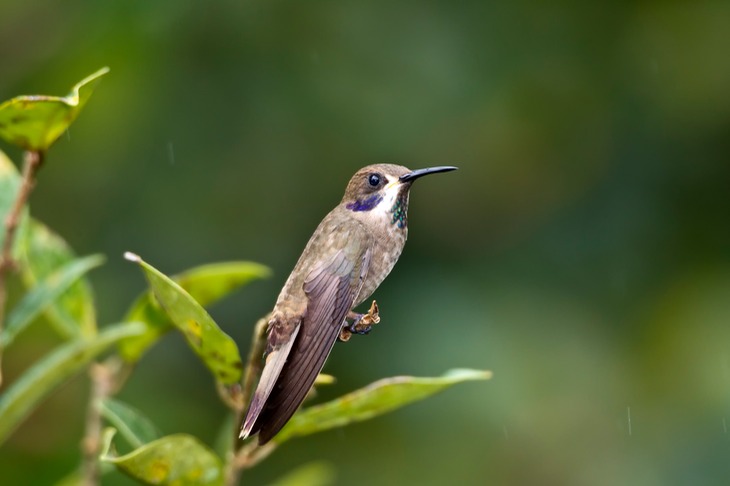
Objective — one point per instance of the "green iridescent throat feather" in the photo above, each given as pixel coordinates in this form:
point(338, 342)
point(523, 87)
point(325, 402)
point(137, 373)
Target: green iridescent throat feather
point(400, 210)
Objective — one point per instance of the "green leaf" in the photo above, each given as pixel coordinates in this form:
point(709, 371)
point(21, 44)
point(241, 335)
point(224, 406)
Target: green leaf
point(35, 122)
point(131, 423)
point(373, 400)
point(73, 312)
point(74, 478)
point(172, 460)
point(209, 283)
point(21, 398)
point(44, 294)
point(214, 347)
point(206, 284)
point(316, 473)
point(9, 185)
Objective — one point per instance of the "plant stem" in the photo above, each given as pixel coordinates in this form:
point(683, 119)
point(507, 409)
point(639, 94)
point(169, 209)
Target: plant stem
point(103, 384)
point(252, 454)
point(240, 458)
point(33, 160)
point(255, 363)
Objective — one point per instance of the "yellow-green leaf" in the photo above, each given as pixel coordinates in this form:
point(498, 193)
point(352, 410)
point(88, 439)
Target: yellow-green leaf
point(206, 284)
point(172, 460)
point(214, 347)
point(34, 122)
point(43, 253)
point(373, 400)
point(44, 294)
point(211, 282)
point(22, 397)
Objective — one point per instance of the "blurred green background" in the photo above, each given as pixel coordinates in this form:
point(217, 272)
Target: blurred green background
point(582, 252)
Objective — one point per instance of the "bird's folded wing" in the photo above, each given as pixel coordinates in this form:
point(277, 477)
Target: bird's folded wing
point(331, 289)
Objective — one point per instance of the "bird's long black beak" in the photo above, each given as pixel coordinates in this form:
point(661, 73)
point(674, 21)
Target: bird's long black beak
point(411, 176)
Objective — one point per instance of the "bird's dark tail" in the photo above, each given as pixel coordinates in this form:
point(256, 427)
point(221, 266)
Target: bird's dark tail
point(305, 362)
point(275, 362)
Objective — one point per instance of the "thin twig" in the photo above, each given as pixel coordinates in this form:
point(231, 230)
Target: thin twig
point(240, 458)
point(230, 395)
point(107, 379)
point(32, 162)
point(102, 386)
point(255, 361)
point(251, 454)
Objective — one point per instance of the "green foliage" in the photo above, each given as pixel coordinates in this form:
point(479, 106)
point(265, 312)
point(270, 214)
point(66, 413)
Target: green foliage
point(130, 422)
point(175, 459)
point(154, 461)
point(206, 284)
point(56, 288)
point(44, 253)
point(44, 294)
point(216, 348)
point(376, 399)
point(35, 122)
point(46, 375)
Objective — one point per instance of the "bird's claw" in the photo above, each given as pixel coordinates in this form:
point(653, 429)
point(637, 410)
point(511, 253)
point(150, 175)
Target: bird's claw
point(361, 323)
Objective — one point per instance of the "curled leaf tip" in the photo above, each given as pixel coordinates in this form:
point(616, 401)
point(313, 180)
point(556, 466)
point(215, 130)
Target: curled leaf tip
point(34, 122)
point(106, 443)
point(132, 257)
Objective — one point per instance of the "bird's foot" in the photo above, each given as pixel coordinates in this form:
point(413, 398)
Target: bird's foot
point(361, 323)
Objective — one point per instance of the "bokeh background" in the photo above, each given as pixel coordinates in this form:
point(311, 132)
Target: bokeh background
point(582, 252)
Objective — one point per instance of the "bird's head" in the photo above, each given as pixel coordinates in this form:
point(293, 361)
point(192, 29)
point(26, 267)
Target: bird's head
point(381, 191)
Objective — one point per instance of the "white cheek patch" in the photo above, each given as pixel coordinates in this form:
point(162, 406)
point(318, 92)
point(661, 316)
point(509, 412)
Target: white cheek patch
point(389, 196)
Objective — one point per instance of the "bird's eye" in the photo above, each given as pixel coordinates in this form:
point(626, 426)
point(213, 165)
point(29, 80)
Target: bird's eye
point(374, 180)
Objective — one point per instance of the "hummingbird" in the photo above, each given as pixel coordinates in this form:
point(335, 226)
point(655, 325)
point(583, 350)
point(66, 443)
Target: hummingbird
point(349, 255)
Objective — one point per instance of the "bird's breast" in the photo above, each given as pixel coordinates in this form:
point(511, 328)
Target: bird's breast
point(388, 243)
